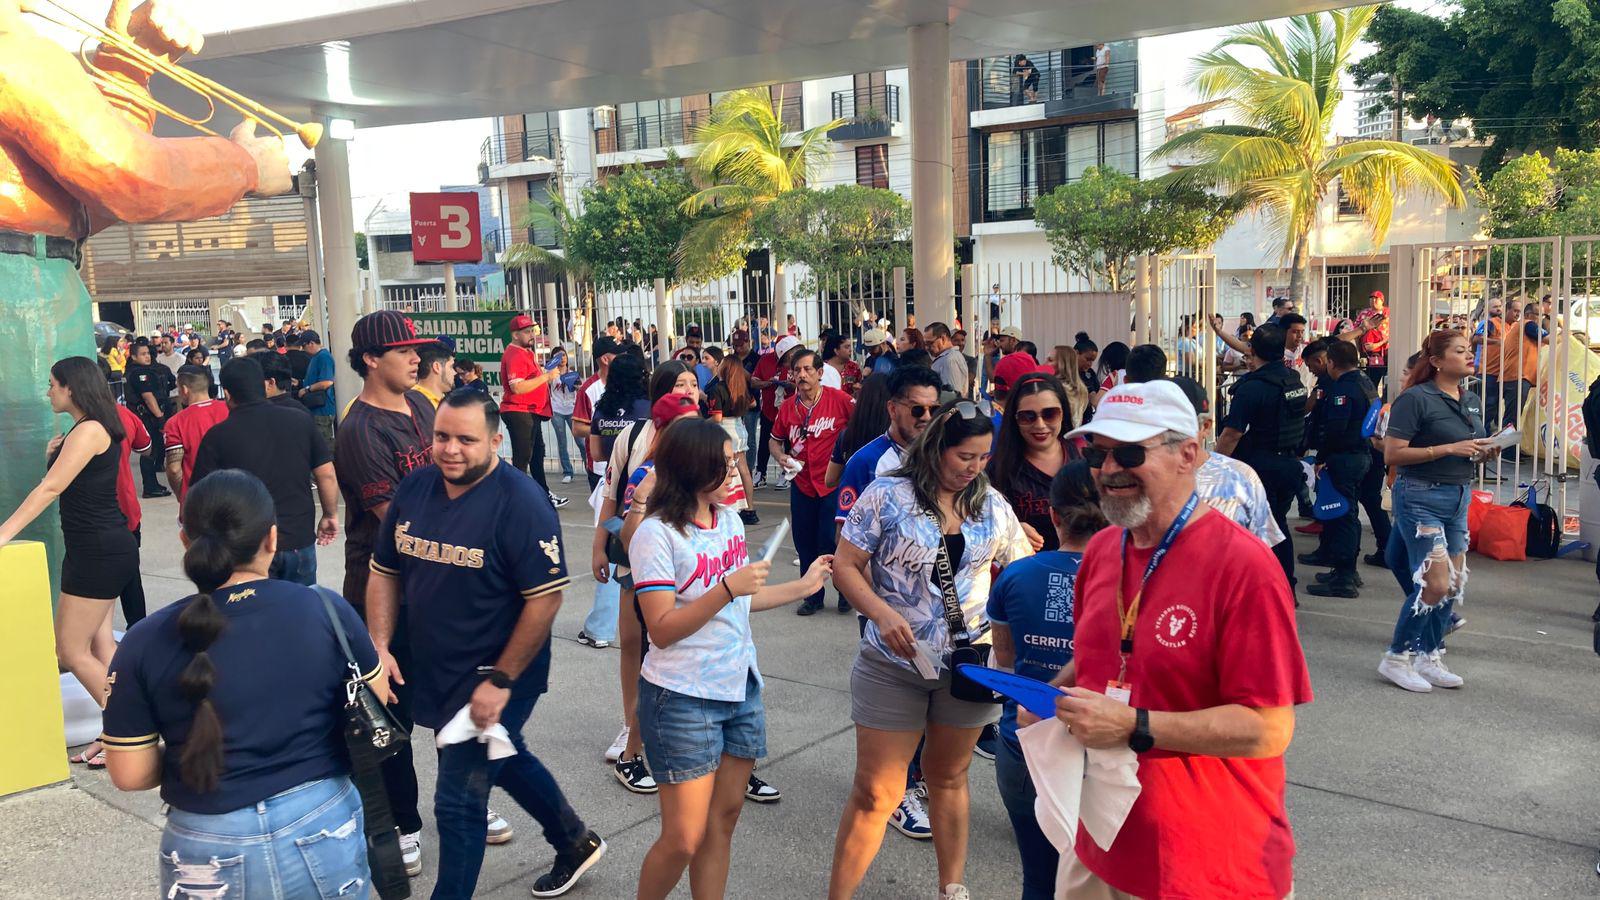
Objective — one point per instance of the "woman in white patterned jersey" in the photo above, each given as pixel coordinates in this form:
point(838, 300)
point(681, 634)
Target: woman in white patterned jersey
point(700, 710)
point(938, 502)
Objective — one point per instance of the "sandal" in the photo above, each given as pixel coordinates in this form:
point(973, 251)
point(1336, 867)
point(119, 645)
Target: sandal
point(86, 755)
point(97, 761)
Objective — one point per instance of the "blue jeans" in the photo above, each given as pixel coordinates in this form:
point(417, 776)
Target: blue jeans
point(298, 566)
point(752, 430)
point(814, 536)
point(307, 841)
point(461, 801)
point(1429, 519)
point(1039, 856)
point(601, 623)
point(562, 425)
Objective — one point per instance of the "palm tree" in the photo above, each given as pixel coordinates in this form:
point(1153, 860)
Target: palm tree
point(745, 158)
point(554, 216)
point(1280, 161)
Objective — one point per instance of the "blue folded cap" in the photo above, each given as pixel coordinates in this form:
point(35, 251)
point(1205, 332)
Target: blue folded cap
point(1330, 504)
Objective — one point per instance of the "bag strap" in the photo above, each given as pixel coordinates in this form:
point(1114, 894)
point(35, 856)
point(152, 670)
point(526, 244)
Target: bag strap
point(338, 628)
point(945, 571)
point(627, 460)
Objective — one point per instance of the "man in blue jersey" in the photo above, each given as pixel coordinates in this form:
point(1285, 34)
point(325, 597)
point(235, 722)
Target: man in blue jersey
point(473, 547)
point(913, 398)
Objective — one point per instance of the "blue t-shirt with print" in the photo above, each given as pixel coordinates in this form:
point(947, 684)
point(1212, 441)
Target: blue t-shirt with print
point(1033, 597)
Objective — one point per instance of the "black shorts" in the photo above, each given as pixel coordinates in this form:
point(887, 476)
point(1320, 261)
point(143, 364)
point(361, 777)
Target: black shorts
point(100, 565)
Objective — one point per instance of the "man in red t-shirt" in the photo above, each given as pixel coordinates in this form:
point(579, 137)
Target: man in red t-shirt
point(525, 406)
point(802, 440)
point(768, 377)
point(184, 430)
point(137, 441)
point(1195, 664)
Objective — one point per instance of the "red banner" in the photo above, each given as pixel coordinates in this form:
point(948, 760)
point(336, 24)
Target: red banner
point(446, 228)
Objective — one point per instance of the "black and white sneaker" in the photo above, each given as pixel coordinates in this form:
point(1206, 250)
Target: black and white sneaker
point(587, 641)
point(570, 866)
point(635, 775)
point(558, 502)
point(758, 791)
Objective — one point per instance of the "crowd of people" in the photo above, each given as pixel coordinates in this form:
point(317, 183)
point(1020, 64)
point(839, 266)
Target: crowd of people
point(1057, 516)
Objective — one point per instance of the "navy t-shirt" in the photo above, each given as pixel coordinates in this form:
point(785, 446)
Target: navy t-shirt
point(467, 567)
point(1033, 597)
point(279, 689)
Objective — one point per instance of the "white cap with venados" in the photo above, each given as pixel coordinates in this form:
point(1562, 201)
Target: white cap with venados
point(1132, 413)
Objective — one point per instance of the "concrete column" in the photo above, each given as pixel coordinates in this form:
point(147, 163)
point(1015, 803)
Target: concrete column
point(932, 206)
point(552, 324)
point(340, 278)
point(451, 302)
point(1144, 299)
point(664, 322)
point(780, 302)
point(899, 300)
point(317, 314)
point(970, 287)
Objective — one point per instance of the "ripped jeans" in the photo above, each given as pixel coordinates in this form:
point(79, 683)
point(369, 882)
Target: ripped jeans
point(1430, 524)
point(307, 841)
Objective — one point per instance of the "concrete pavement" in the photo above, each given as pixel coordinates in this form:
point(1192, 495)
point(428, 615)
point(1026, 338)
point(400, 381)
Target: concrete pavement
point(1488, 791)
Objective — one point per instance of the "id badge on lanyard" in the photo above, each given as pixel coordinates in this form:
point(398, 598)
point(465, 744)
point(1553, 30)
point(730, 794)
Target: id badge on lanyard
point(1120, 689)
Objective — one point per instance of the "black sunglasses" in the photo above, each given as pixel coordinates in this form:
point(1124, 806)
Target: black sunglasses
point(918, 410)
point(1128, 456)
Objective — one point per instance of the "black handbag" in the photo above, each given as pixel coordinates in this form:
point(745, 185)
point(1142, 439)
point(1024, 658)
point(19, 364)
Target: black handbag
point(962, 650)
point(314, 399)
point(371, 735)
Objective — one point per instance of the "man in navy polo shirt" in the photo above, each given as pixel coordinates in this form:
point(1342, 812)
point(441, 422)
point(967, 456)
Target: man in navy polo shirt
point(474, 549)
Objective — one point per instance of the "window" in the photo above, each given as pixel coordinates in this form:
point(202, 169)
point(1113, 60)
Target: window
point(1083, 150)
point(872, 166)
point(1347, 207)
point(394, 243)
point(649, 123)
point(540, 235)
point(1121, 142)
point(1003, 186)
point(1021, 165)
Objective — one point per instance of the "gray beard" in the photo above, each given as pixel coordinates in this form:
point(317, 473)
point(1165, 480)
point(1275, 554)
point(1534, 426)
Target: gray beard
point(1126, 512)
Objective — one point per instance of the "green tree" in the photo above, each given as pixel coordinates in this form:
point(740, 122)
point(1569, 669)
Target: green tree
point(744, 159)
point(632, 224)
point(836, 233)
point(361, 251)
point(1279, 160)
point(1536, 196)
point(1527, 72)
point(551, 216)
point(1099, 223)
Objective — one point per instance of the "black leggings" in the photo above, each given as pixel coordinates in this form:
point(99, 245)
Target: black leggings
point(764, 451)
point(527, 444)
point(133, 606)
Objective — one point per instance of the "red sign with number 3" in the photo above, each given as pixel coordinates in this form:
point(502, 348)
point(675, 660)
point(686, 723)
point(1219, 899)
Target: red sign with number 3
point(446, 228)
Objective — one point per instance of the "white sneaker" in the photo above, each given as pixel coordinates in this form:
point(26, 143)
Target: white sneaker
point(1432, 669)
point(411, 852)
point(499, 829)
point(566, 479)
point(954, 892)
point(614, 752)
point(781, 484)
point(1397, 668)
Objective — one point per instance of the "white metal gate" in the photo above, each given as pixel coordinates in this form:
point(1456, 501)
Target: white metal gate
point(182, 313)
point(1338, 293)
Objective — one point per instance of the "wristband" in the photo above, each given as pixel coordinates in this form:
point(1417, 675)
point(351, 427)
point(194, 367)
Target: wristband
point(729, 589)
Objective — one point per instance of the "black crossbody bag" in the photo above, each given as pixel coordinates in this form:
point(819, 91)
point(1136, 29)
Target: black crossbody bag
point(372, 736)
point(962, 650)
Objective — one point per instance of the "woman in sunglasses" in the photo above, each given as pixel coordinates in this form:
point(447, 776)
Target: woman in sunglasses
point(937, 502)
point(1031, 448)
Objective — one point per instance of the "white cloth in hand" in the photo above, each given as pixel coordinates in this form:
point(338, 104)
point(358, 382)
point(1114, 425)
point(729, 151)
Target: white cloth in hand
point(461, 728)
point(1096, 787)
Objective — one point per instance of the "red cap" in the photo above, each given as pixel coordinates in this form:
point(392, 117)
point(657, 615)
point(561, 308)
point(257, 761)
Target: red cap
point(521, 321)
point(1013, 366)
point(673, 406)
point(1378, 294)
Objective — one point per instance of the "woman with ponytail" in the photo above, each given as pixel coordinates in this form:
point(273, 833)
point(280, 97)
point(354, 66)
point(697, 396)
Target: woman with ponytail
point(243, 682)
point(102, 555)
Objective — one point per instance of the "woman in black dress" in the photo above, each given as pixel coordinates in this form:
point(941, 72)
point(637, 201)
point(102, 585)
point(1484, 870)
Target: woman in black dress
point(102, 556)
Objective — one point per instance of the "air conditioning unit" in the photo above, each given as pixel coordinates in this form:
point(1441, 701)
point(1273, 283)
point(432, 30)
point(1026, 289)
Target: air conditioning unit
point(602, 117)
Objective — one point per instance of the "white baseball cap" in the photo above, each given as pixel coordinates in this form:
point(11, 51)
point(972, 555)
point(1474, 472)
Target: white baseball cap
point(785, 344)
point(1132, 413)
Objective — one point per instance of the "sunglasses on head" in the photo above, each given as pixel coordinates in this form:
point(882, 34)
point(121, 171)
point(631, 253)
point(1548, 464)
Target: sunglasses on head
point(1050, 414)
point(965, 409)
point(1128, 456)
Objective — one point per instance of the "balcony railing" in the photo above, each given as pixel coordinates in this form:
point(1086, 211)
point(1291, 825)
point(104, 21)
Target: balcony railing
point(869, 112)
point(676, 129)
point(501, 238)
point(1068, 81)
point(1009, 193)
point(519, 146)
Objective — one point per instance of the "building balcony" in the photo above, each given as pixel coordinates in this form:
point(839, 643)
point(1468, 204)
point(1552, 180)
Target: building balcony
point(496, 242)
point(518, 154)
point(671, 130)
point(869, 113)
point(1053, 84)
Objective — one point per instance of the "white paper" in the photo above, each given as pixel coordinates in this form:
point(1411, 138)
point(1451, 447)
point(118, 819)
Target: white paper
point(1507, 438)
point(927, 661)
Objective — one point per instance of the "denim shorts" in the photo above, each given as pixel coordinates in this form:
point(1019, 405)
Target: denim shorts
point(685, 737)
point(1427, 514)
point(308, 841)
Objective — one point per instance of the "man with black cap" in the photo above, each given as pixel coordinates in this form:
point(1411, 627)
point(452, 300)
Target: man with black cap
point(1264, 427)
point(525, 406)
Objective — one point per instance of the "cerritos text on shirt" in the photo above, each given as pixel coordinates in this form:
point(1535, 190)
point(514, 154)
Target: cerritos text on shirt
point(433, 551)
point(709, 569)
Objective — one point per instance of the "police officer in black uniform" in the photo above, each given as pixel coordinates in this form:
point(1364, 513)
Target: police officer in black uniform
point(1264, 428)
point(144, 390)
point(1335, 435)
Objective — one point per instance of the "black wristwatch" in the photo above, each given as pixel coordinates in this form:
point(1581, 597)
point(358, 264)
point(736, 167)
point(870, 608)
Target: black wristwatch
point(500, 679)
point(1141, 741)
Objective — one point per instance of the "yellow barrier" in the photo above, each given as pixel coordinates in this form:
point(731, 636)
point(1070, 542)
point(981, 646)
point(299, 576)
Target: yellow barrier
point(33, 752)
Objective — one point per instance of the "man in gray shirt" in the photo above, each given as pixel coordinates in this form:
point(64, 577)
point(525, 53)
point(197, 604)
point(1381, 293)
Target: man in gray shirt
point(172, 360)
point(948, 363)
